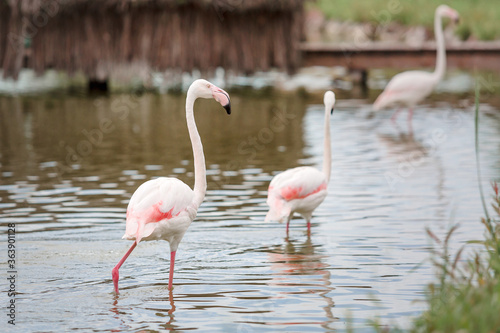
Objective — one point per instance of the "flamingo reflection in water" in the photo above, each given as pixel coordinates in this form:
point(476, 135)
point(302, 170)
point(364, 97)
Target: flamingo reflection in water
point(298, 269)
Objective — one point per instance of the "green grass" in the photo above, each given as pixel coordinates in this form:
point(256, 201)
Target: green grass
point(479, 18)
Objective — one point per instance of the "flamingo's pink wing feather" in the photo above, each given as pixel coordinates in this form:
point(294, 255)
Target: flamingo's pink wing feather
point(156, 200)
point(297, 183)
point(293, 184)
point(406, 86)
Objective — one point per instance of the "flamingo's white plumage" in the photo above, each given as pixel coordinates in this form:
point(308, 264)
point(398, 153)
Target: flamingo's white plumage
point(301, 190)
point(163, 208)
point(411, 87)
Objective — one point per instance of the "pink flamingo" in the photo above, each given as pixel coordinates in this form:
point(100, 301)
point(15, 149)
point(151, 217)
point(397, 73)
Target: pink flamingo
point(163, 208)
point(409, 88)
point(302, 189)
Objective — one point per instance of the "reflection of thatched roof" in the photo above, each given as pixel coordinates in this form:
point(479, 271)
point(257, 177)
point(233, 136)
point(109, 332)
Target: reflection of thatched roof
point(96, 36)
point(33, 6)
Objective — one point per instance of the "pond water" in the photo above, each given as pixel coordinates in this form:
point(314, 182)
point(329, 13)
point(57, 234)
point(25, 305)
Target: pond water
point(69, 165)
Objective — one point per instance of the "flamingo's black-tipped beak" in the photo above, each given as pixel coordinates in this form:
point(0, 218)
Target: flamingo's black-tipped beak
point(457, 20)
point(228, 108)
point(222, 97)
point(331, 111)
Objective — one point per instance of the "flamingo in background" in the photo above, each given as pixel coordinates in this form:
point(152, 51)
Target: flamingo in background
point(163, 208)
point(409, 88)
point(302, 189)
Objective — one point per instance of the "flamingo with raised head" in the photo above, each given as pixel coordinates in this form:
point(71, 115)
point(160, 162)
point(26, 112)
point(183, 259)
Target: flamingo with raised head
point(163, 208)
point(302, 189)
point(411, 87)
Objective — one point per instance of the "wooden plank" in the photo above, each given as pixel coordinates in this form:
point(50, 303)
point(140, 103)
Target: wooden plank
point(470, 55)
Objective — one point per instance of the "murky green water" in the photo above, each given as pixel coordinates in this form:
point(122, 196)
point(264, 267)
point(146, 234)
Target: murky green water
point(70, 164)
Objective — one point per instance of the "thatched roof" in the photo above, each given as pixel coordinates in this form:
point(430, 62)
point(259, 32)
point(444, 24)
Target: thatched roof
point(96, 36)
point(34, 6)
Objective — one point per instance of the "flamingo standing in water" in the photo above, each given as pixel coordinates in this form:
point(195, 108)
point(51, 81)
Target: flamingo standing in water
point(409, 88)
point(163, 208)
point(302, 189)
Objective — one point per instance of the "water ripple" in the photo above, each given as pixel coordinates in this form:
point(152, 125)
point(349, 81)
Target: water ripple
point(235, 272)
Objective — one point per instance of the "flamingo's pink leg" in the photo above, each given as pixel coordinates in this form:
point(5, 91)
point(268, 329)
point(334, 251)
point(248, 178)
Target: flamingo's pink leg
point(410, 114)
point(410, 123)
point(393, 118)
point(308, 227)
point(114, 272)
point(171, 273)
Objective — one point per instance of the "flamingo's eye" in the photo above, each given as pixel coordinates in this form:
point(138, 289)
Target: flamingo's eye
point(208, 85)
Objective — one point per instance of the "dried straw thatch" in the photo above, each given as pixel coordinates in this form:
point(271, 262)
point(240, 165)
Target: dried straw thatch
point(96, 36)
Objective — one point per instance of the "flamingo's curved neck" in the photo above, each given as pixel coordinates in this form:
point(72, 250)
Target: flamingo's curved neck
point(327, 154)
point(200, 181)
point(441, 52)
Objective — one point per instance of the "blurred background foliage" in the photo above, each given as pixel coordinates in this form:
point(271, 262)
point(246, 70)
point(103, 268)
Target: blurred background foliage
point(479, 18)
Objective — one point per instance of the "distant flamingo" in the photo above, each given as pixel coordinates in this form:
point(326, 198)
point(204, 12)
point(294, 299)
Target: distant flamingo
point(163, 208)
point(302, 189)
point(409, 88)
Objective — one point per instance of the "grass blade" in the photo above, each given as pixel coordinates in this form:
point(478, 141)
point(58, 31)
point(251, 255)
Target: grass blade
point(476, 125)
